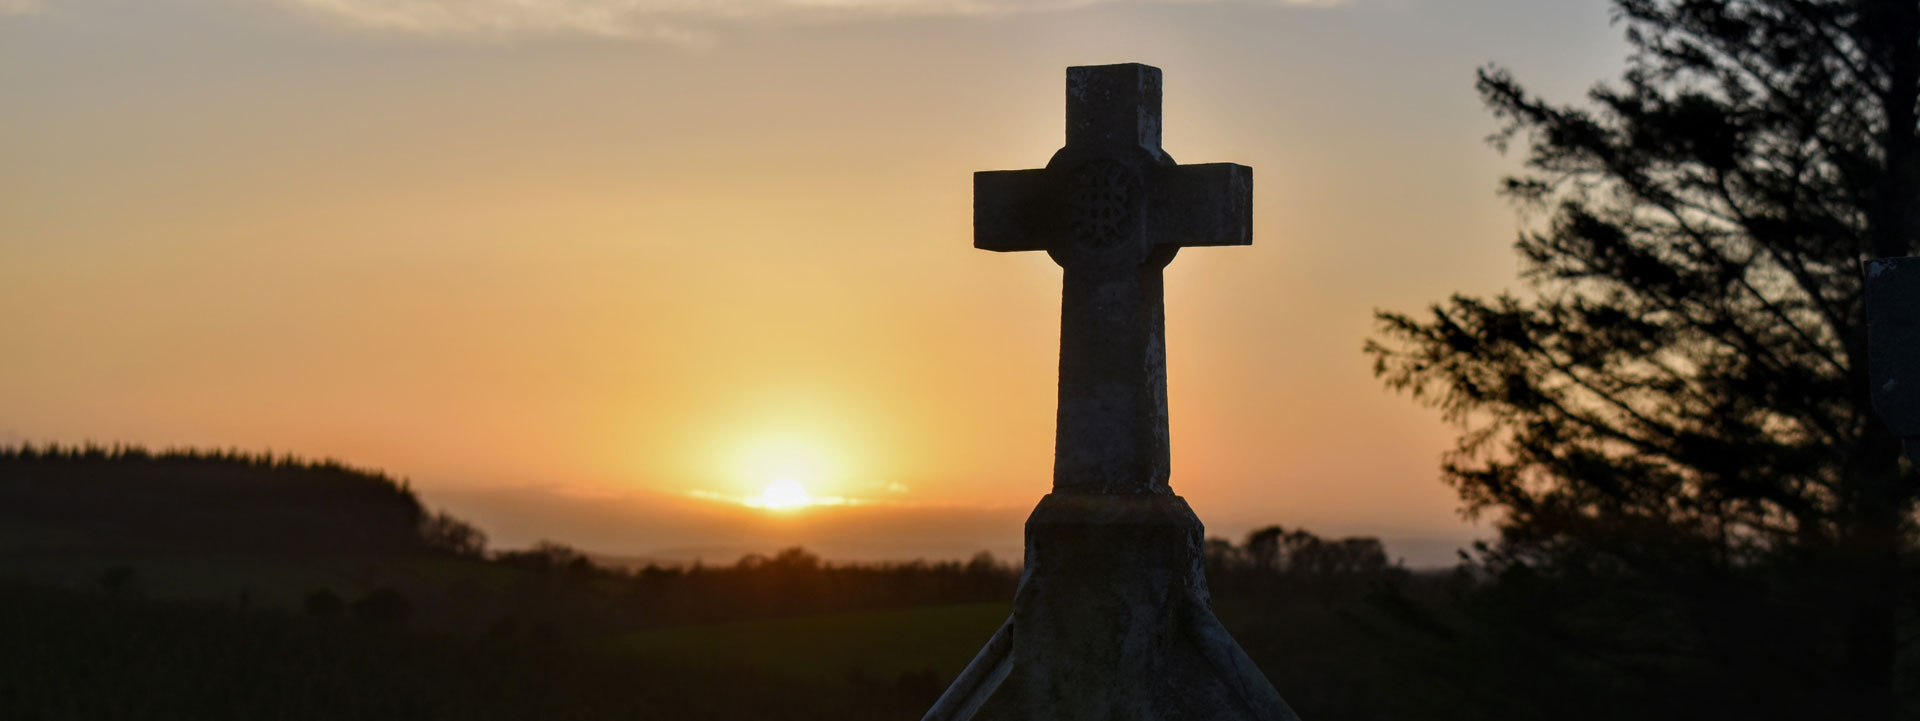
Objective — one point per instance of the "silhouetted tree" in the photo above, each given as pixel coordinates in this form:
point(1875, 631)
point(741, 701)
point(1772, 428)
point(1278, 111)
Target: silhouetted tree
point(1276, 563)
point(983, 564)
point(447, 534)
point(1344, 557)
point(552, 558)
point(1677, 414)
point(1263, 548)
point(795, 560)
point(1221, 557)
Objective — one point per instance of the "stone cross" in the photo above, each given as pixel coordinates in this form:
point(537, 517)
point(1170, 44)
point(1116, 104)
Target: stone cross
point(1893, 346)
point(1112, 208)
point(1112, 619)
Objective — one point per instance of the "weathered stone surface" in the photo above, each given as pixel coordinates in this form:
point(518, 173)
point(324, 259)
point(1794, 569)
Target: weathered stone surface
point(1112, 621)
point(1112, 208)
point(1893, 333)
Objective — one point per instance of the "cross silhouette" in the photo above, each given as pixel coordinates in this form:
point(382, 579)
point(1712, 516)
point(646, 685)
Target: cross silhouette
point(1112, 209)
point(1112, 620)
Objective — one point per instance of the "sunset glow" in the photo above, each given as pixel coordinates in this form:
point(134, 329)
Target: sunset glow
point(782, 495)
point(503, 248)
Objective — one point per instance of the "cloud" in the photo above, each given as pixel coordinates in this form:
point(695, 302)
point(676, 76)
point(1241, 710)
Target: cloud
point(691, 22)
point(675, 21)
point(19, 7)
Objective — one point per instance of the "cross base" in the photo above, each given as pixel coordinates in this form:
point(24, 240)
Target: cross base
point(1112, 622)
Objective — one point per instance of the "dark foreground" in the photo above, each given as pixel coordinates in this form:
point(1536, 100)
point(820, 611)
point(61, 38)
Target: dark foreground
point(196, 585)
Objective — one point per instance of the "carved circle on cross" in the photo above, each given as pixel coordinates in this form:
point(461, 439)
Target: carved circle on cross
point(1101, 202)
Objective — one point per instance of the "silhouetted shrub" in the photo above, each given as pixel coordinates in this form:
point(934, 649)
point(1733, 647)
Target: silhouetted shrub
point(383, 606)
point(324, 605)
point(1273, 552)
point(983, 564)
point(548, 557)
point(444, 533)
point(795, 582)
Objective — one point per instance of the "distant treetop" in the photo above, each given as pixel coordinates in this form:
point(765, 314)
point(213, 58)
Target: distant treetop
point(130, 499)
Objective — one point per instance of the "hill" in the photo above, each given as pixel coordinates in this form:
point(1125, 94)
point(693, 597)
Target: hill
point(127, 500)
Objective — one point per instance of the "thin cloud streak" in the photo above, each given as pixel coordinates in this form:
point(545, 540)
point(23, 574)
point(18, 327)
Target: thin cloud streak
point(667, 21)
point(683, 22)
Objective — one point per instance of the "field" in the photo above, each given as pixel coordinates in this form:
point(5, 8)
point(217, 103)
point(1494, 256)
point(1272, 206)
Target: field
point(82, 656)
point(886, 644)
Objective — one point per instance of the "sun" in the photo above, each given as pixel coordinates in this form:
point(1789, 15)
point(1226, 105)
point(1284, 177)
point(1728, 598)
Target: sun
point(781, 495)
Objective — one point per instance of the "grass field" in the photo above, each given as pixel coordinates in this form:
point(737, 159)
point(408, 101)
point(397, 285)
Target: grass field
point(84, 656)
point(878, 644)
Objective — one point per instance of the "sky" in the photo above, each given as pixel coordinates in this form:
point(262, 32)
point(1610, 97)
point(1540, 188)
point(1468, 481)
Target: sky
point(602, 271)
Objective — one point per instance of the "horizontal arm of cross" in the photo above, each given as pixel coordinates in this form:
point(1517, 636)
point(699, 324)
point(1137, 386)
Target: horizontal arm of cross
point(1017, 210)
point(1186, 205)
point(1202, 204)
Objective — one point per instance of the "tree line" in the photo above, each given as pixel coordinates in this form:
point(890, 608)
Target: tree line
point(796, 582)
point(127, 499)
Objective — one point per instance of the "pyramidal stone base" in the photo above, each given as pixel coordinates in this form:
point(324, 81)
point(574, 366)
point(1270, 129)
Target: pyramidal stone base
point(1112, 623)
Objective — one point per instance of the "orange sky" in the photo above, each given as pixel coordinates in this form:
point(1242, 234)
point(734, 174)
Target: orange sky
point(564, 263)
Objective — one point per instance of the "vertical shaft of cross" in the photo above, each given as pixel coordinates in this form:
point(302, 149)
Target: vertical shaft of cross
point(1110, 433)
point(1113, 110)
point(1112, 209)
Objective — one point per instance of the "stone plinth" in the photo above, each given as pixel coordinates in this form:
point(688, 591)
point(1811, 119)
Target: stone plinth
point(1112, 623)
